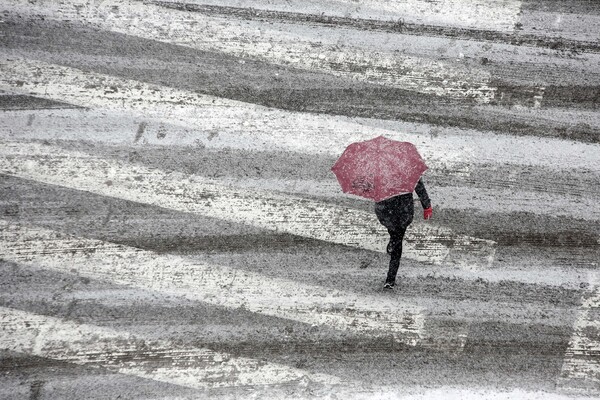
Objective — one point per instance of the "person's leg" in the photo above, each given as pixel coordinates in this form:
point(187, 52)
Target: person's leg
point(394, 249)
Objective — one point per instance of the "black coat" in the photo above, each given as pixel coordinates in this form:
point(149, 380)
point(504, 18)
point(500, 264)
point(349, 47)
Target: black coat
point(397, 212)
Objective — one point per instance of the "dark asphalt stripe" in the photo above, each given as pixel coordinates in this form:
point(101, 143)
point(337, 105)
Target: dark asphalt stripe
point(228, 242)
point(30, 366)
point(524, 229)
point(62, 379)
point(488, 335)
point(512, 374)
point(385, 26)
point(530, 78)
point(26, 102)
point(552, 96)
point(277, 86)
point(562, 6)
point(583, 96)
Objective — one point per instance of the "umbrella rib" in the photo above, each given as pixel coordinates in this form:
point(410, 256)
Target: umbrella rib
point(380, 172)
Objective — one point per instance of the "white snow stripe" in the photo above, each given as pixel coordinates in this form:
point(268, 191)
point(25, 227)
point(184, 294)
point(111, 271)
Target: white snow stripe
point(123, 353)
point(298, 216)
point(273, 43)
point(452, 50)
point(480, 14)
point(191, 119)
point(581, 367)
point(214, 284)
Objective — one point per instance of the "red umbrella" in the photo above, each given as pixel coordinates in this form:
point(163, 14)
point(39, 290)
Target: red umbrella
point(379, 168)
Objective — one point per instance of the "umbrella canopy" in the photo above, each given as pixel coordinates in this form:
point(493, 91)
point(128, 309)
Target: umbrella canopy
point(379, 168)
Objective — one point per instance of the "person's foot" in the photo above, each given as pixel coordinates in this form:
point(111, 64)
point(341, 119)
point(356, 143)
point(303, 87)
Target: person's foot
point(389, 285)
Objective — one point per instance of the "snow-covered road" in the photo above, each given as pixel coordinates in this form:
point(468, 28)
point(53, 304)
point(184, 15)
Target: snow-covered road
point(170, 227)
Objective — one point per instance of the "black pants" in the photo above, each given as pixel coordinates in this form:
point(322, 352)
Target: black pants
point(394, 249)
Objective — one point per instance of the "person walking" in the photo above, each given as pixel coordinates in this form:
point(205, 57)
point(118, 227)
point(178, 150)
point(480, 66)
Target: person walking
point(387, 172)
point(396, 214)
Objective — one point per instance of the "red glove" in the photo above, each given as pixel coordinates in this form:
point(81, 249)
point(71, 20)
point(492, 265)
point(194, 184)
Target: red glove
point(427, 213)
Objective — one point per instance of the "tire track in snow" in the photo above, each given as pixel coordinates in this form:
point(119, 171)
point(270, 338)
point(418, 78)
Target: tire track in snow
point(233, 124)
point(265, 43)
point(454, 393)
point(467, 258)
point(483, 21)
point(297, 216)
point(252, 82)
point(479, 14)
point(213, 284)
point(226, 243)
point(209, 133)
point(247, 291)
point(123, 353)
point(573, 201)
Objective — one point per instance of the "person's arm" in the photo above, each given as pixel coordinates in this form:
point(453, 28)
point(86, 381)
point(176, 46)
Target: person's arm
point(424, 198)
